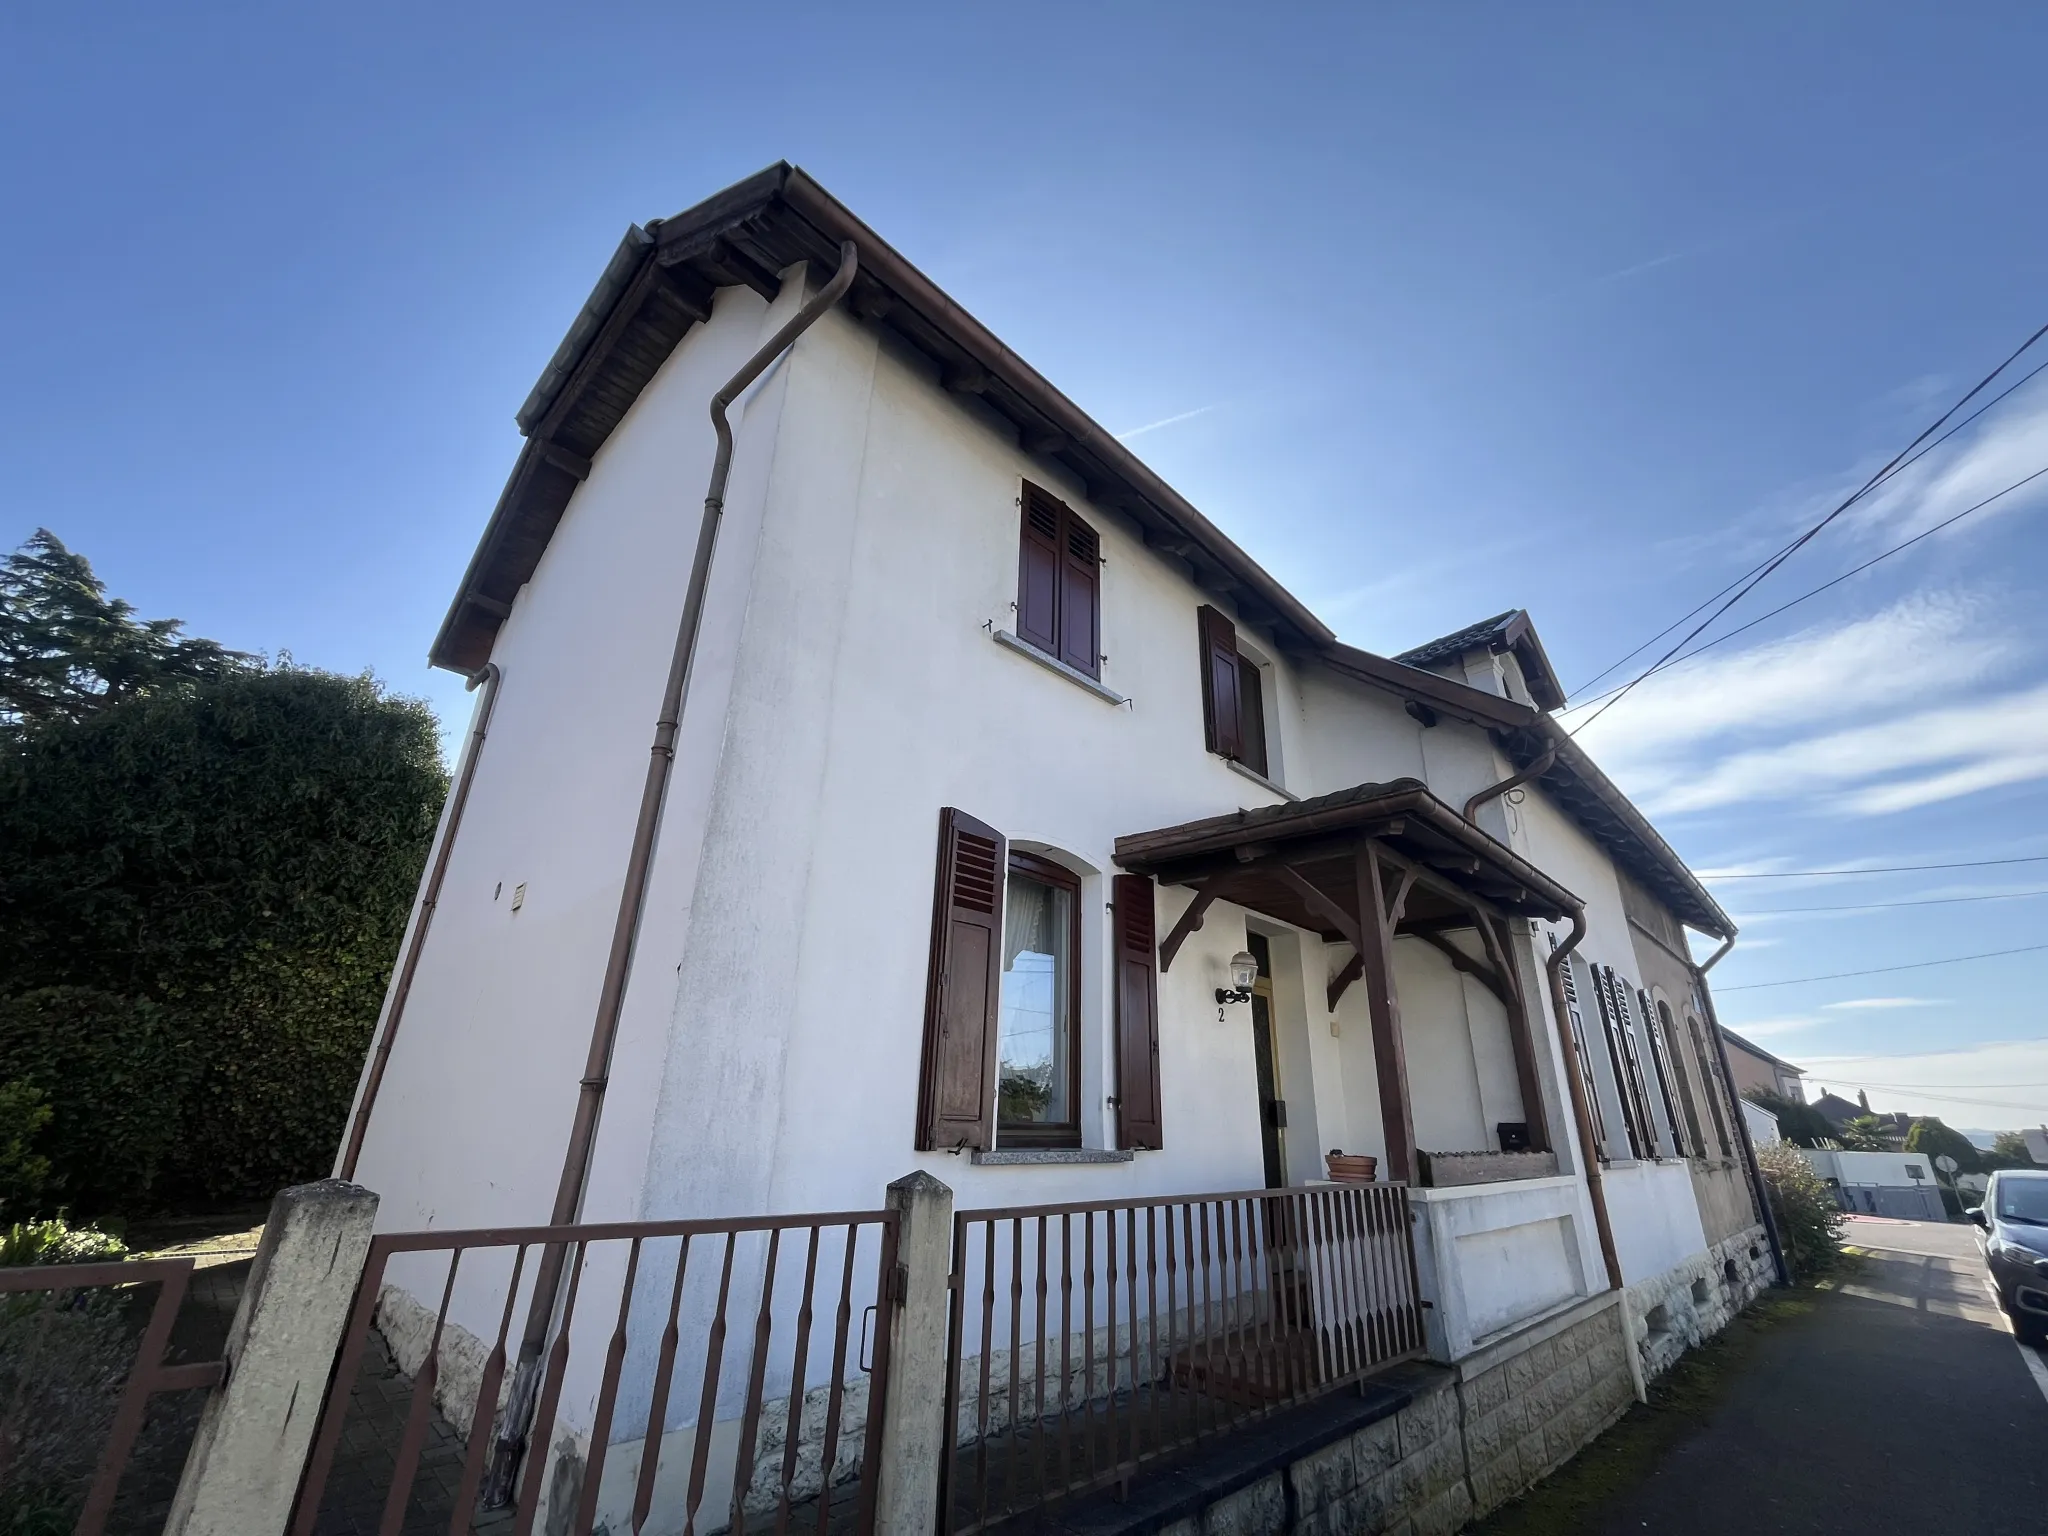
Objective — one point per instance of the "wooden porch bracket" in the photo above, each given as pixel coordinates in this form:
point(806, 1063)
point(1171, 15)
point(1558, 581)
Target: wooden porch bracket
point(1344, 922)
point(1341, 982)
point(1521, 1031)
point(1190, 920)
point(1485, 975)
point(1397, 1120)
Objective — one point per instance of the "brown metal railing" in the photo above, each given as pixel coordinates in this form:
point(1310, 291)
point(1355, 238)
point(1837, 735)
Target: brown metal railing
point(709, 1375)
point(40, 1304)
point(1087, 1339)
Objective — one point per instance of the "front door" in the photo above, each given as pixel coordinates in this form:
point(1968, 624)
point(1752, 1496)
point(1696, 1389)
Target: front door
point(1272, 1107)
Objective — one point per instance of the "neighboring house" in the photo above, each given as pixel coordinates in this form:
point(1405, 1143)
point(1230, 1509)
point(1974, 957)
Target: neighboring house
point(2037, 1145)
point(1756, 1070)
point(995, 754)
point(1893, 1126)
point(1880, 1183)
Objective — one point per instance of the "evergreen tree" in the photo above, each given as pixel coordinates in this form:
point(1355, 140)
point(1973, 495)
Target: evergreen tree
point(68, 650)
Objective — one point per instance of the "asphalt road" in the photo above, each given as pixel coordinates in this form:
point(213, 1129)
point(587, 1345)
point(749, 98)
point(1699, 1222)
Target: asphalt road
point(1900, 1403)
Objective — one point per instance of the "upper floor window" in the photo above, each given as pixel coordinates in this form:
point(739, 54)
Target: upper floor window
point(1233, 695)
point(1059, 583)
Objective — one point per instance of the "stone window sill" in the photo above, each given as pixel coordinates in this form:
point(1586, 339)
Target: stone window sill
point(1016, 1157)
point(1073, 675)
point(1259, 779)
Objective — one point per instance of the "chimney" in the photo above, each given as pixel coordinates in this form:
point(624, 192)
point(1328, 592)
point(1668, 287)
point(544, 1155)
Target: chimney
point(1863, 1099)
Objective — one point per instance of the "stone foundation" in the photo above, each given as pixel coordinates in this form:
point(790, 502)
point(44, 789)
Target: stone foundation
point(1532, 1402)
point(1449, 1446)
point(1684, 1307)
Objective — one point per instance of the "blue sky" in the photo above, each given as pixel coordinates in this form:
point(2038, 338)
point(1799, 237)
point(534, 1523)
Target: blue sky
point(1437, 310)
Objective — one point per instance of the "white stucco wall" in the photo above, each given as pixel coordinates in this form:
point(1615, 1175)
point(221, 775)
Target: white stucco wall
point(847, 687)
point(475, 1108)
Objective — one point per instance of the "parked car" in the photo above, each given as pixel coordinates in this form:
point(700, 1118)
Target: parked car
point(2014, 1217)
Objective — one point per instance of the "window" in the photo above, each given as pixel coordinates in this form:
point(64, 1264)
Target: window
point(1002, 1015)
point(1059, 583)
point(1233, 694)
point(1037, 1086)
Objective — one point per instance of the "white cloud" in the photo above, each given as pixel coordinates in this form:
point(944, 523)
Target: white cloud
point(1861, 717)
point(1766, 1028)
point(2002, 1085)
point(1902, 653)
point(2011, 444)
point(1167, 421)
point(1894, 765)
point(1888, 1002)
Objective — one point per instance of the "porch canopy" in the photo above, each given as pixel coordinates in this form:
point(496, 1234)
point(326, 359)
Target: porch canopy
point(1362, 866)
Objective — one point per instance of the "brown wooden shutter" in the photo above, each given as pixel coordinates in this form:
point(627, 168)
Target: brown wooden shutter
point(956, 1088)
point(1251, 715)
point(1137, 1014)
point(1080, 590)
point(1221, 719)
point(1039, 571)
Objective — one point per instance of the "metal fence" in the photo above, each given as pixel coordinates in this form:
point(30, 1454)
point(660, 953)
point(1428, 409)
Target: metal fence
point(697, 1376)
point(83, 1350)
point(1089, 1338)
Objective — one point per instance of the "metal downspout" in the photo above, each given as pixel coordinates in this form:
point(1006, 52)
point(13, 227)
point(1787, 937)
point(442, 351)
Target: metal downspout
point(633, 899)
point(1494, 791)
point(1756, 1174)
point(1589, 1148)
point(488, 676)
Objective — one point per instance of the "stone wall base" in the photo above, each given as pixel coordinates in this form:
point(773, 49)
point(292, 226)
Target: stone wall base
point(1684, 1307)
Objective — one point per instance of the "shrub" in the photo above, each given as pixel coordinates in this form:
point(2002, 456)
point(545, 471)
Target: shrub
point(203, 895)
point(24, 1111)
point(1809, 1218)
point(54, 1240)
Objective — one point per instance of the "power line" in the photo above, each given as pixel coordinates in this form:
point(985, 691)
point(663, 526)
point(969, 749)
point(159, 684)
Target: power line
point(1879, 869)
point(1824, 1077)
point(1877, 906)
point(1750, 583)
point(1855, 570)
point(1885, 475)
point(1883, 970)
point(1946, 1098)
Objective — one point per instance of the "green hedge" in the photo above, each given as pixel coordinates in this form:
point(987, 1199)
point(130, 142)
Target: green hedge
point(203, 896)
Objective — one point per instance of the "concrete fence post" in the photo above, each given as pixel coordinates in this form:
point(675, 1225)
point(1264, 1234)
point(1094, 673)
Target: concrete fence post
point(914, 1431)
point(243, 1470)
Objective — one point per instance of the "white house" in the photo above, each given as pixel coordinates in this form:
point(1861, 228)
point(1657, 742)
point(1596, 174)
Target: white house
point(954, 638)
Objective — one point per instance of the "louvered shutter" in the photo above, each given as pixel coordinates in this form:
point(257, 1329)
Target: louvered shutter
point(1583, 1051)
point(1221, 717)
point(1137, 1014)
point(1660, 1063)
point(1039, 572)
point(1617, 1058)
point(956, 1091)
point(1080, 585)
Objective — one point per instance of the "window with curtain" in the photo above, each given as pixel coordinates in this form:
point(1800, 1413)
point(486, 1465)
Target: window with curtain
point(1037, 1059)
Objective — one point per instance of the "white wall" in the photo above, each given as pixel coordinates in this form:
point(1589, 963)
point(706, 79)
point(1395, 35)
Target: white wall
point(474, 1112)
point(847, 687)
point(1873, 1167)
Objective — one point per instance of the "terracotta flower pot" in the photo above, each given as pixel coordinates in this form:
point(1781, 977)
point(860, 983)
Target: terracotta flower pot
point(1352, 1168)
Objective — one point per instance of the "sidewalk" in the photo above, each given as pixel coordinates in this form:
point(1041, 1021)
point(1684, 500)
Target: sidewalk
point(1893, 1399)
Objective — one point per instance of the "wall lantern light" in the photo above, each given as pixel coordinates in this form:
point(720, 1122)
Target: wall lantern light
point(1244, 970)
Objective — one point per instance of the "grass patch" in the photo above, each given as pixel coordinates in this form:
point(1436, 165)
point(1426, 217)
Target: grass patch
point(1681, 1400)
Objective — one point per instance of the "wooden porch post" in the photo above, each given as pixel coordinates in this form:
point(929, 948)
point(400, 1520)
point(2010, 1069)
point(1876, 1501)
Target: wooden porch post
point(1520, 1035)
point(1376, 954)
